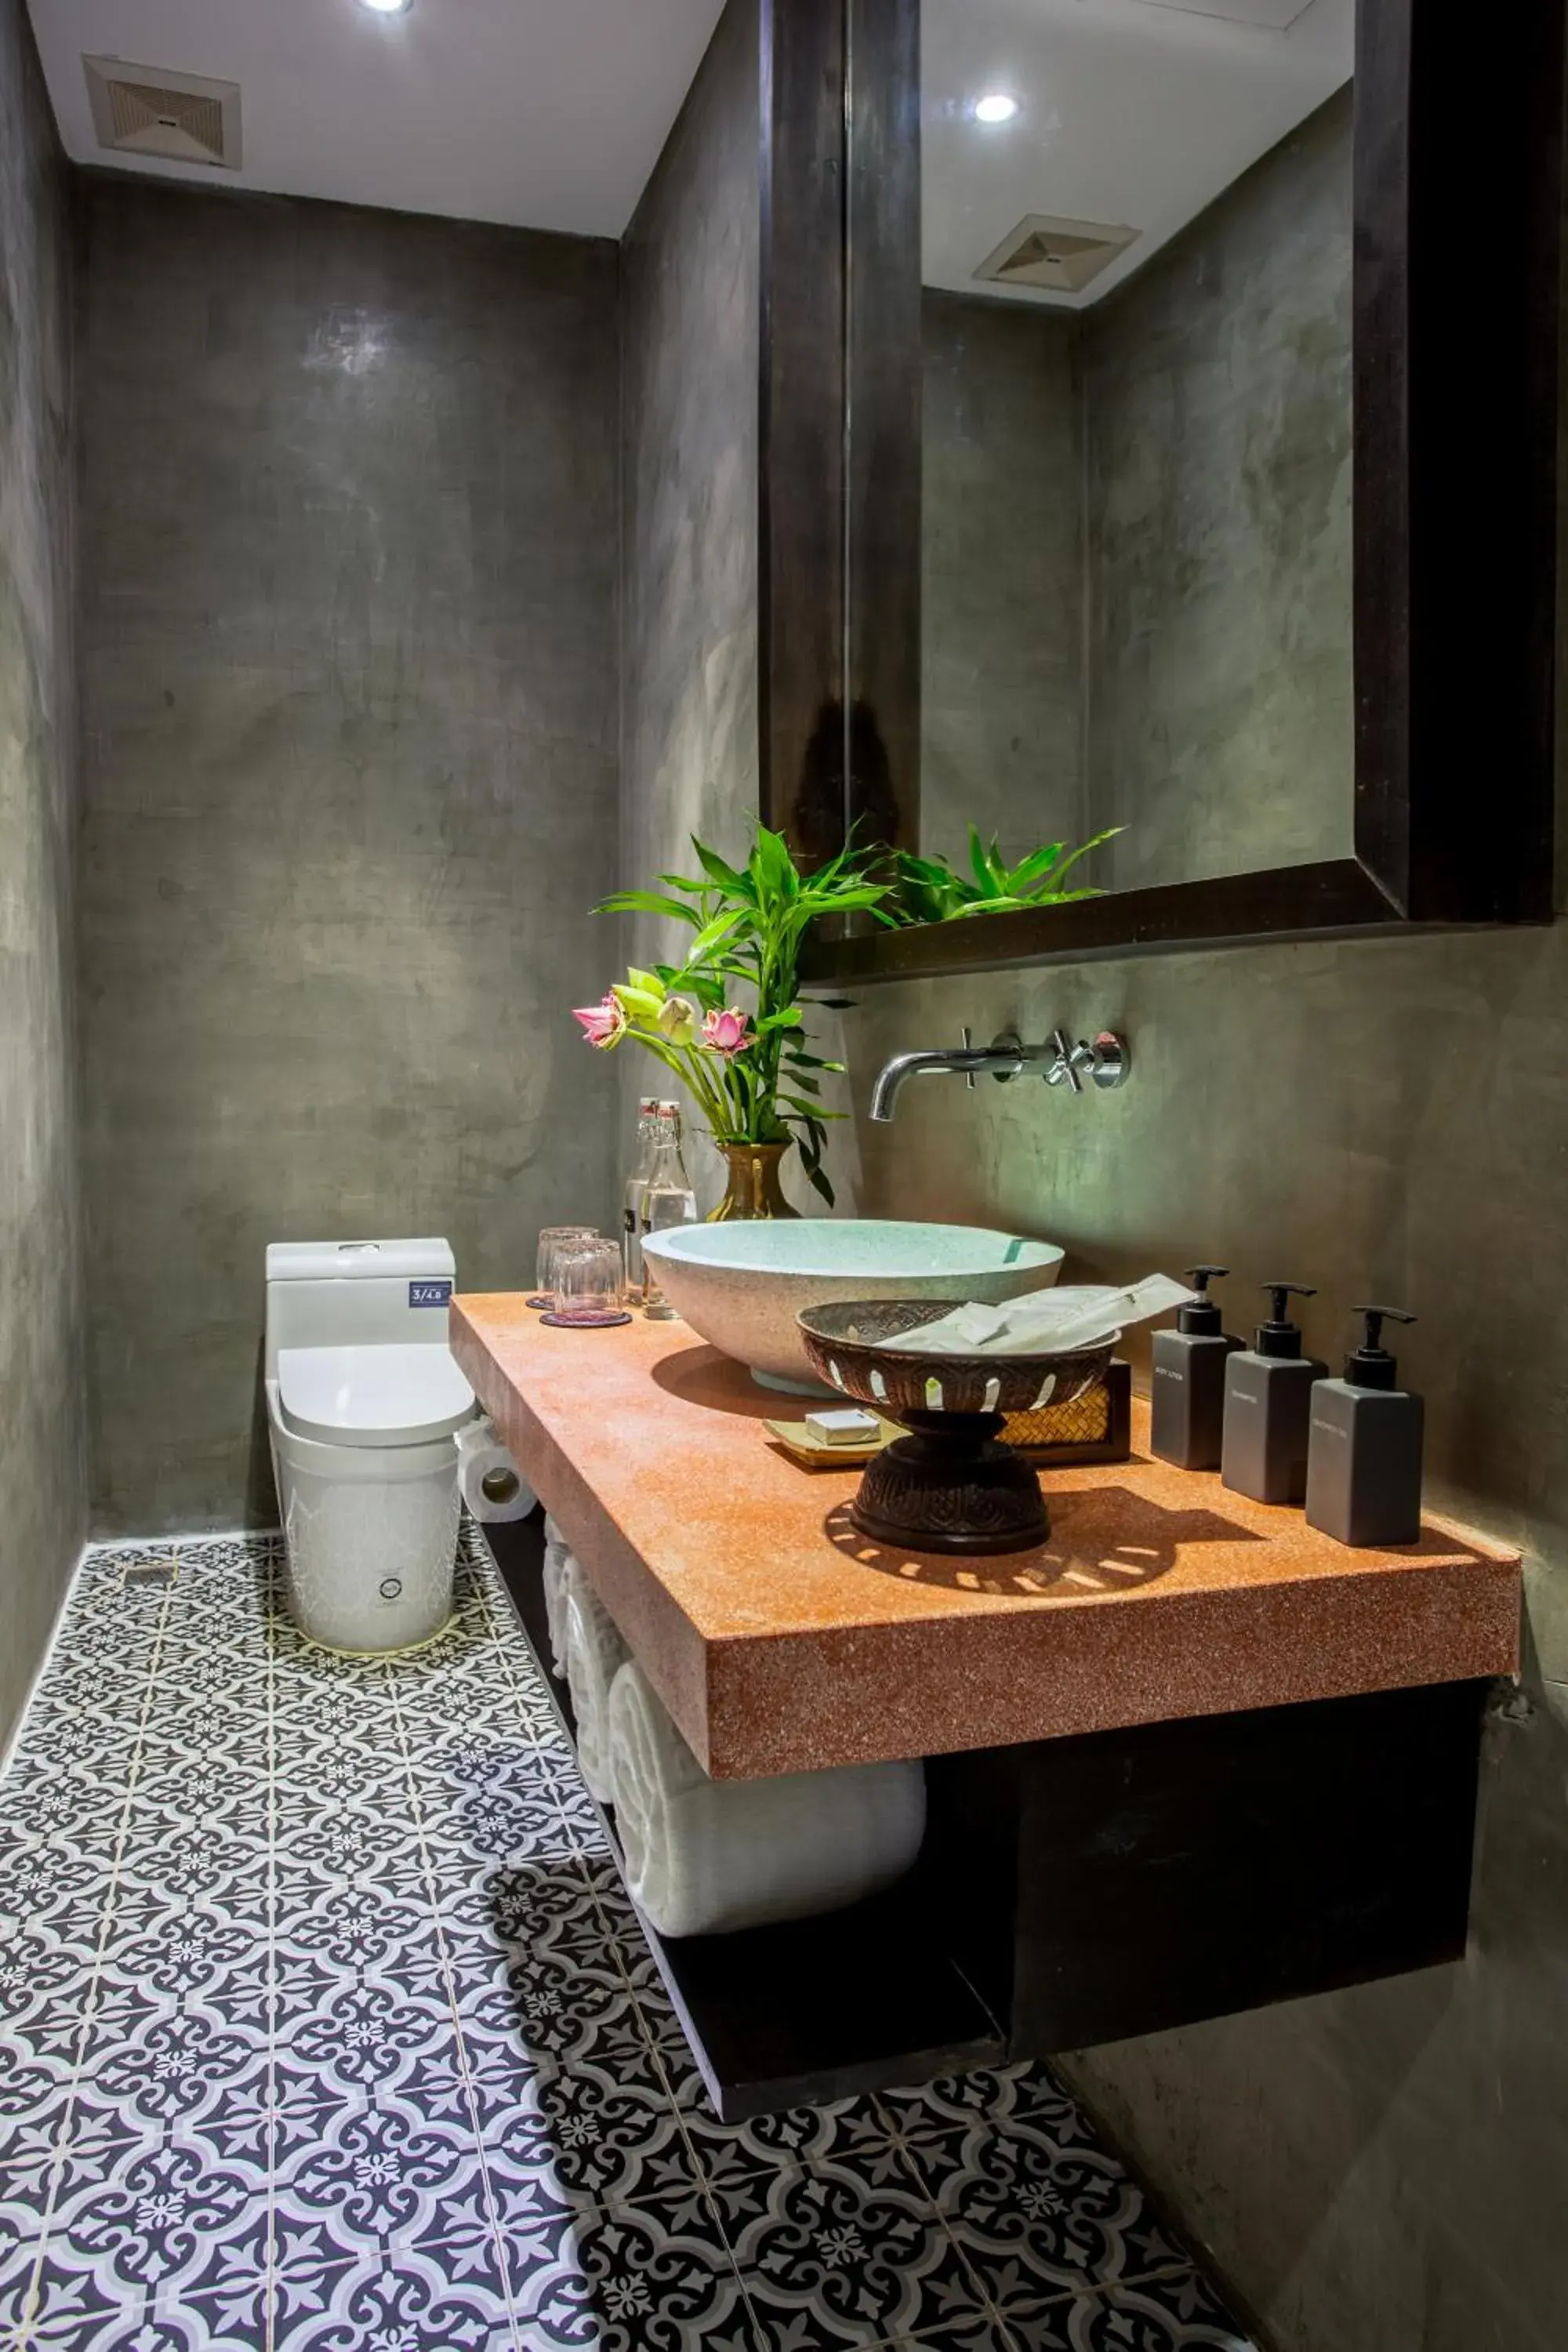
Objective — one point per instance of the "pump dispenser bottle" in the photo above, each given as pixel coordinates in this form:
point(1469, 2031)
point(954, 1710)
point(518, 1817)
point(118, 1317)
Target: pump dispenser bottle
point(1187, 1398)
point(1267, 1407)
point(1364, 1471)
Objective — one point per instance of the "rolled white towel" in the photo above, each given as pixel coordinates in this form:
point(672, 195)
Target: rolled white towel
point(594, 1653)
point(557, 1552)
point(706, 1857)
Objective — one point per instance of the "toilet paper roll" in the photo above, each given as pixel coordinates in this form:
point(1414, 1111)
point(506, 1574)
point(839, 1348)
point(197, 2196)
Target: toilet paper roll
point(488, 1480)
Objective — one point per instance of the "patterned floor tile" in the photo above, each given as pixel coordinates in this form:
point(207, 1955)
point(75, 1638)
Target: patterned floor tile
point(734, 2153)
point(846, 2253)
point(170, 2067)
point(652, 2277)
point(1153, 2317)
point(450, 2294)
point(49, 2306)
point(380, 2177)
point(601, 2136)
point(1061, 2222)
point(364, 2036)
point(160, 2224)
point(325, 2022)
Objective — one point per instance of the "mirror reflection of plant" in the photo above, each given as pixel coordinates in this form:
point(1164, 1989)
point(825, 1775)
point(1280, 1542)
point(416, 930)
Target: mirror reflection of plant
point(930, 891)
point(728, 1020)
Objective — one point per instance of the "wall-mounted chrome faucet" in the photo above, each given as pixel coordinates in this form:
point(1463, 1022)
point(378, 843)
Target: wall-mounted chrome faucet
point(1105, 1064)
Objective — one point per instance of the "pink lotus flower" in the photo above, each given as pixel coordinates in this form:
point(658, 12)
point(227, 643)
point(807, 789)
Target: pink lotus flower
point(727, 1033)
point(604, 1024)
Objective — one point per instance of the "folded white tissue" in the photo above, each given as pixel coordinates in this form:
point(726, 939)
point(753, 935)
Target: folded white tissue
point(707, 1857)
point(1042, 1322)
point(594, 1655)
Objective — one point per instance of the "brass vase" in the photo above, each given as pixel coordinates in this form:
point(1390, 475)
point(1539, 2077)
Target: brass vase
point(754, 1188)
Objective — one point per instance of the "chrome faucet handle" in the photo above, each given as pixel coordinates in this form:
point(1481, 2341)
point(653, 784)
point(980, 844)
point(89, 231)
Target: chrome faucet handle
point(968, 1045)
point(1064, 1070)
point(1107, 1061)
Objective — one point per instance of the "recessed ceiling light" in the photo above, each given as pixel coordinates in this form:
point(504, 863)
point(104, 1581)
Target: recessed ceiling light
point(997, 106)
point(387, 8)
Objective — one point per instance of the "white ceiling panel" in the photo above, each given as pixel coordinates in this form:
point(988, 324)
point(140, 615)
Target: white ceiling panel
point(1132, 112)
point(543, 113)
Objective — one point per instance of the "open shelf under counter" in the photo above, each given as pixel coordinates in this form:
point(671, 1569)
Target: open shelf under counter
point(786, 2016)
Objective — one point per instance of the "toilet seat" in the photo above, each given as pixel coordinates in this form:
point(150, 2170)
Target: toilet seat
point(381, 1395)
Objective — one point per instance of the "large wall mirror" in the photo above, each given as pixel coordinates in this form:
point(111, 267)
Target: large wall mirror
point(1201, 489)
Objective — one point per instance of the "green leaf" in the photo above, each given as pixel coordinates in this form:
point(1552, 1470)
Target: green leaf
point(770, 865)
point(1036, 866)
point(735, 885)
point(985, 863)
point(847, 901)
point(1083, 849)
point(646, 902)
point(714, 934)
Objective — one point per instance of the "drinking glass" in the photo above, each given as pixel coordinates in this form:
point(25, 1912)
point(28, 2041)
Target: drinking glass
point(590, 1282)
point(549, 1241)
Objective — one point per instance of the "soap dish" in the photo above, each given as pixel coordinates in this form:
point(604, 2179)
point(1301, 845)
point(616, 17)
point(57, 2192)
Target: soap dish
point(813, 1455)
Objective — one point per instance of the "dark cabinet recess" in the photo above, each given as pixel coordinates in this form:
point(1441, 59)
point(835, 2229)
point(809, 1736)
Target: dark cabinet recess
point(1089, 1889)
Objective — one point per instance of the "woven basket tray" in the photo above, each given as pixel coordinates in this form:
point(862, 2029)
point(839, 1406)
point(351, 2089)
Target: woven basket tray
point(1097, 1427)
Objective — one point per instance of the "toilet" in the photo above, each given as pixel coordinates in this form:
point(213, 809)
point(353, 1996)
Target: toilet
point(364, 1402)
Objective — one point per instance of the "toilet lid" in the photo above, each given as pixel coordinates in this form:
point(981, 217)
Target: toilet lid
point(384, 1395)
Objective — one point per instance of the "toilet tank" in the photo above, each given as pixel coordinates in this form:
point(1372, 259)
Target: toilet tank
point(347, 1294)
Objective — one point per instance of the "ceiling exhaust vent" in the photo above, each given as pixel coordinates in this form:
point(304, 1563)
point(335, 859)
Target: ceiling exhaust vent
point(178, 117)
point(1058, 255)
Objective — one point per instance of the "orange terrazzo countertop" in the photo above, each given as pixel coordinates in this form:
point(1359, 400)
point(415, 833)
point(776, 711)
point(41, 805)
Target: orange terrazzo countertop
point(781, 1641)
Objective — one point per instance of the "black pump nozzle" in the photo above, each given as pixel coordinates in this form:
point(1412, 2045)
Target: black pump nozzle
point(1370, 1366)
point(1201, 1313)
point(1279, 1336)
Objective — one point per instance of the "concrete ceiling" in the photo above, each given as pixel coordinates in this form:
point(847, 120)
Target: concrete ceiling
point(1135, 113)
point(543, 113)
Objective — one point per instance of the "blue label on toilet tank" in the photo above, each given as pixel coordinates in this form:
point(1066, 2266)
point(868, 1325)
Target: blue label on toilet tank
point(429, 1294)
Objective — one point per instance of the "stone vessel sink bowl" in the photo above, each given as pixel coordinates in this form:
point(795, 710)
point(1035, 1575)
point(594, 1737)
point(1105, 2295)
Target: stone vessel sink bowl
point(948, 1486)
point(743, 1285)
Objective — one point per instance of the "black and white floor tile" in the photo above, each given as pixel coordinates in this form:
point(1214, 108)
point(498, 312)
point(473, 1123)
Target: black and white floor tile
point(326, 2026)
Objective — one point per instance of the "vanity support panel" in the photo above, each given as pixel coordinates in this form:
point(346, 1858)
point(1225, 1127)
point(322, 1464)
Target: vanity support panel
point(1182, 1871)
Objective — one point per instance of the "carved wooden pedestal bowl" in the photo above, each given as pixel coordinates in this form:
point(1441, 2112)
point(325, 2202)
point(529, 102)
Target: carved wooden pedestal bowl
point(948, 1486)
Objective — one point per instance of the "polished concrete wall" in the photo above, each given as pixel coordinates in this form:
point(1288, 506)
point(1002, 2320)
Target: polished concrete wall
point(348, 496)
point(1218, 434)
point(1382, 2169)
point(690, 313)
point(1002, 575)
point(42, 1479)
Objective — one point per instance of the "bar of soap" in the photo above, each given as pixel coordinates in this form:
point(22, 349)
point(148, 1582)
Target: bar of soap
point(841, 1425)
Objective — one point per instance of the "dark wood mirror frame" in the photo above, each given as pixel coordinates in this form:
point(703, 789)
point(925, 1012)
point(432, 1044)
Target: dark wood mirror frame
point(1457, 309)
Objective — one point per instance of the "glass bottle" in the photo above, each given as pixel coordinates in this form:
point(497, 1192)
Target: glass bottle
point(667, 1200)
point(636, 1185)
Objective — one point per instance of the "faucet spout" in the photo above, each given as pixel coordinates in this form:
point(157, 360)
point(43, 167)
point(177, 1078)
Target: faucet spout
point(1004, 1059)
